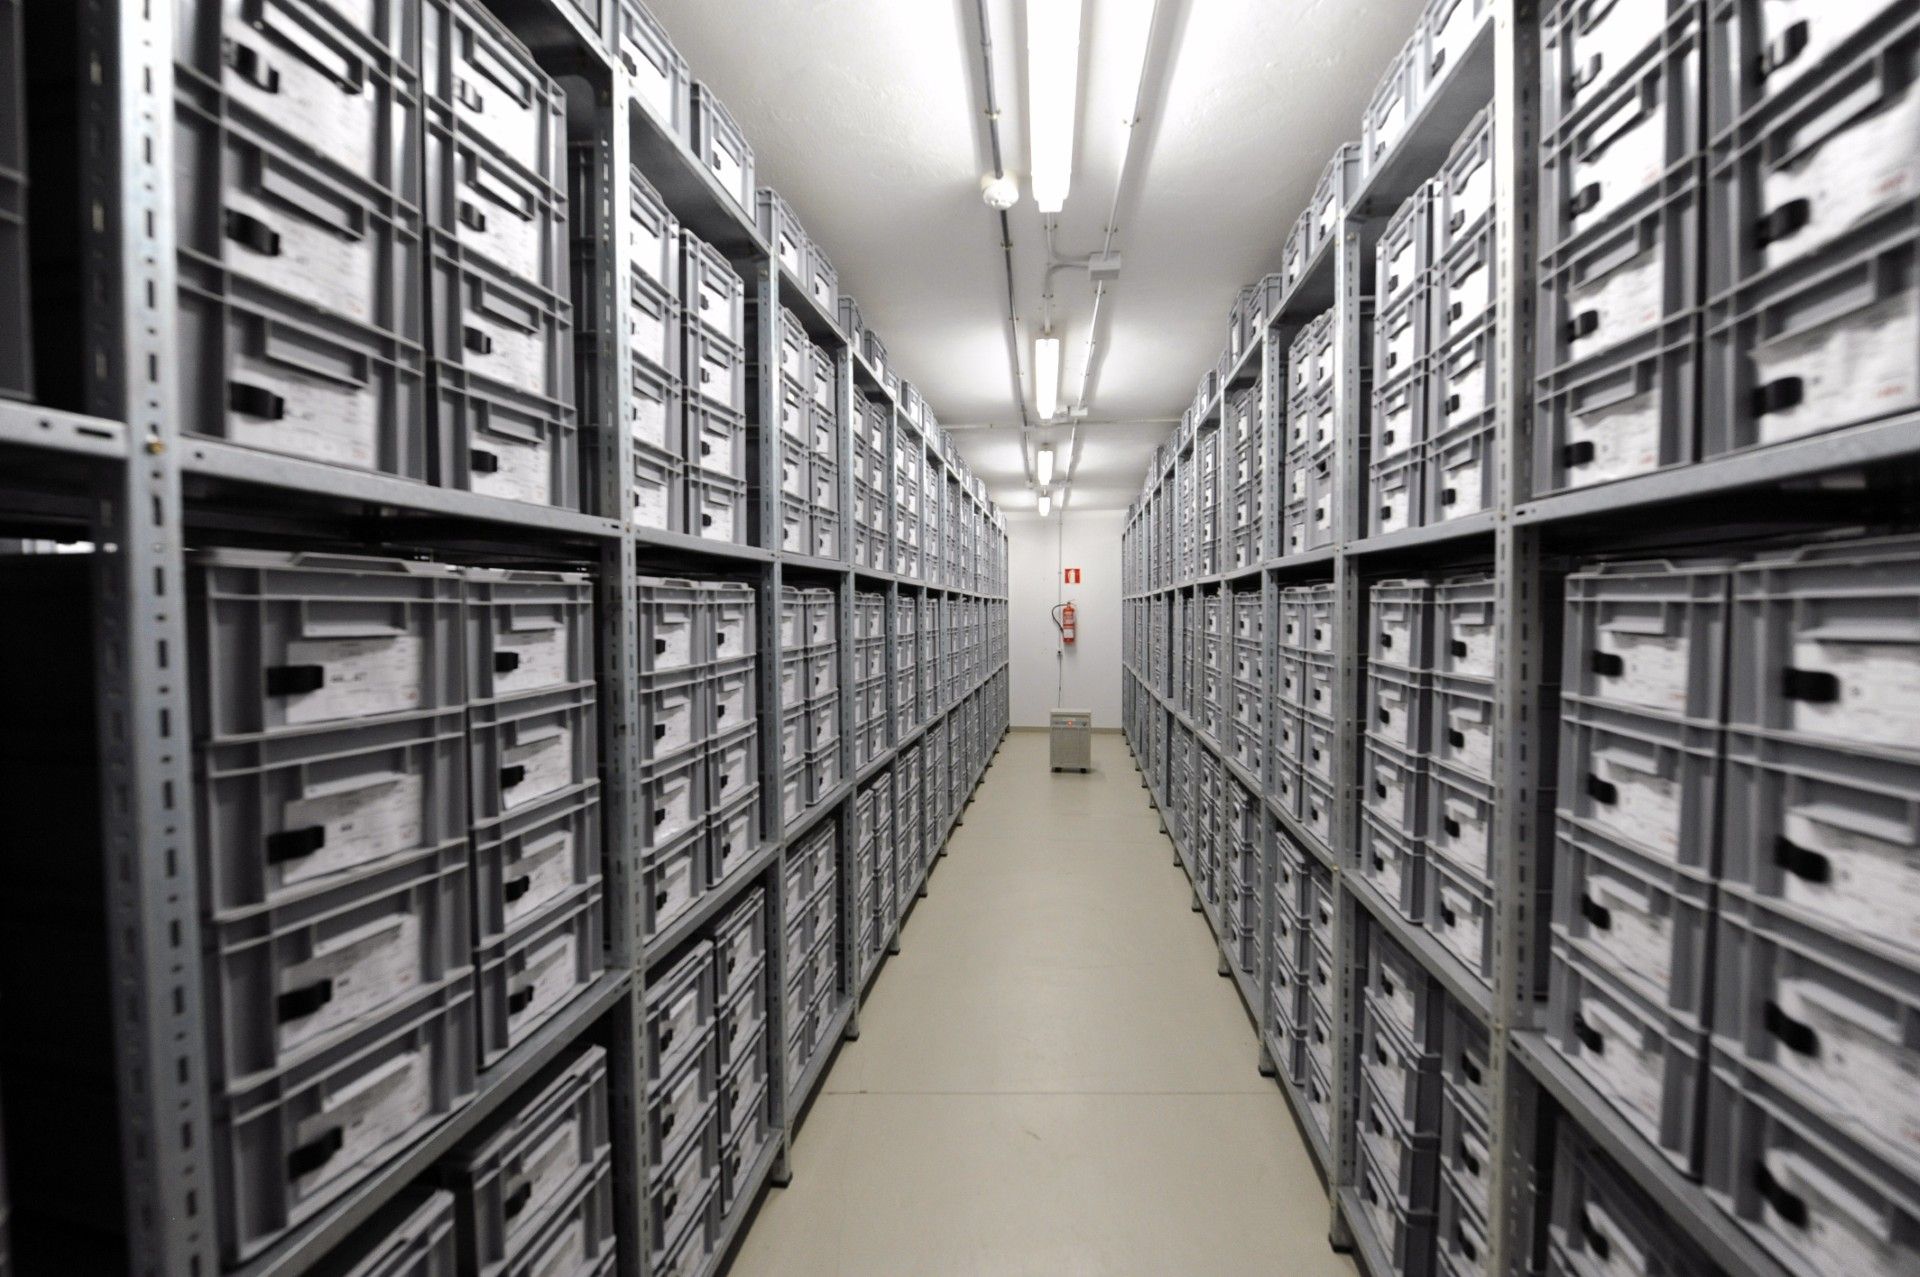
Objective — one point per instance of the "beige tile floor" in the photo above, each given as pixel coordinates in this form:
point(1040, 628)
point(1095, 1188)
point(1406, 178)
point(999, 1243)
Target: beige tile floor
point(1050, 1077)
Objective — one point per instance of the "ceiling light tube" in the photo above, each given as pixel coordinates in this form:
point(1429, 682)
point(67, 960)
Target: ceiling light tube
point(1053, 90)
point(1045, 464)
point(1046, 376)
point(1046, 503)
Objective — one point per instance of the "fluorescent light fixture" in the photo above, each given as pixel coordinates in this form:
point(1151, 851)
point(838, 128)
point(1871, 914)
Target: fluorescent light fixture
point(1053, 89)
point(1045, 464)
point(1046, 503)
point(1046, 376)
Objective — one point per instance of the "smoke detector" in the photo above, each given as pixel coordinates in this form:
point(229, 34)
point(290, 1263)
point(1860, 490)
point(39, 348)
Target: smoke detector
point(1000, 193)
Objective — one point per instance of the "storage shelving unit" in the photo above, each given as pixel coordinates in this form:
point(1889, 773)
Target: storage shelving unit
point(1841, 483)
point(127, 475)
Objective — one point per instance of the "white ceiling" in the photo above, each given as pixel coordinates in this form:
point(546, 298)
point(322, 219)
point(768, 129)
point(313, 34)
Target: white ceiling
point(867, 116)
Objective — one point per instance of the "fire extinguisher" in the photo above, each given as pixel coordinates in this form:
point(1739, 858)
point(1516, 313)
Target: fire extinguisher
point(1064, 622)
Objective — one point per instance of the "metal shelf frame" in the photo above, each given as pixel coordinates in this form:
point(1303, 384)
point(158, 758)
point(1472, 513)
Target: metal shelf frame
point(124, 471)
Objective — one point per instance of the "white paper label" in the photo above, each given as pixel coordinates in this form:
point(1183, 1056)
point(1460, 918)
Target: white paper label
point(1625, 437)
point(1626, 165)
point(546, 868)
point(1871, 165)
point(1655, 670)
point(549, 766)
point(1646, 809)
point(1859, 1067)
point(1628, 299)
point(1471, 198)
point(360, 825)
point(1468, 743)
point(1607, 46)
point(321, 419)
point(362, 969)
point(498, 116)
point(1879, 691)
point(550, 973)
point(522, 472)
point(361, 677)
point(1469, 294)
point(1628, 1072)
point(517, 356)
point(1873, 884)
point(1471, 846)
point(334, 122)
point(313, 262)
point(369, 1112)
point(1858, 365)
point(542, 657)
point(652, 501)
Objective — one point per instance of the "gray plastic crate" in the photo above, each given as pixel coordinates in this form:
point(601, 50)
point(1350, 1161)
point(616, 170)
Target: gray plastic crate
point(658, 76)
point(1394, 787)
point(492, 335)
point(1462, 293)
point(1460, 1246)
point(733, 833)
point(1586, 50)
point(1466, 1071)
point(716, 507)
point(299, 1138)
point(780, 226)
point(1814, 1201)
point(1829, 345)
point(279, 816)
point(731, 608)
point(711, 290)
point(721, 148)
point(658, 495)
point(1461, 471)
point(1763, 53)
point(1464, 640)
point(1316, 809)
point(1459, 914)
point(1822, 1018)
point(674, 872)
point(292, 980)
point(1399, 991)
point(1339, 183)
point(1826, 835)
point(716, 369)
point(796, 525)
point(1393, 864)
point(823, 283)
point(582, 1228)
point(1649, 782)
point(752, 1130)
point(671, 624)
point(1616, 417)
point(1460, 821)
point(517, 1176)
point(509, 212)
point(1598, 1216)
point(531, 748)
point(1823, 644)
point(1407, 1164)
point(1649, 635)
point(679, 1103)
point(415, 1236)
point(654, 320)
point(1447, 30)
point(531, 974)
point(497, 444)
point(1404, 254)
point(527, 631)
point(673, 798)
point(680, 1007)
point(1466, 1160)
point(284, 642)
point(479, 80)
point(1648, 1065)
point(1407, 1079)
point(653, 233)
point(1466, 185)
point(1627, 287)
point(531, 859)
point(1390, 109)
point(1400, 420)
point(264, 225)
point(1464, 382)
point(740, 1035)
point(1407, 1239)
point(1400, 623)
point(1617, 156)
point(1642, 922)
point(1400, 710)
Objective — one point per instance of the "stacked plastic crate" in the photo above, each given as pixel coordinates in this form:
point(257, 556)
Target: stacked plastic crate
point(1245, 464)
point(1399, 743)
point(1216, 666)
point(909, 827)
point(873, 869)
point(825, 451)
point(1243, 881)
point(928, 694)
point(1307, 516)
point(699, 702)
point(903, 664)
point(1287, 962)
point(809, 699)
point(909, 459)
point(871, 529)
point(872, 716)
point(1303, 724)
point(1621, 246)
point(1246, 726)
point(1398, 1171)
point(1211, 528)
point(1466, 1144)
point(713, 303)
point(1318, 974)
point(810, 945)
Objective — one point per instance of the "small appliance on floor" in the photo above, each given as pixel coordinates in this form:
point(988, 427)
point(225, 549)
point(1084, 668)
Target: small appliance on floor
point(1070, 737)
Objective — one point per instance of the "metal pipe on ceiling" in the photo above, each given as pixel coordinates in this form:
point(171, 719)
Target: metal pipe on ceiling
point(1006, 226)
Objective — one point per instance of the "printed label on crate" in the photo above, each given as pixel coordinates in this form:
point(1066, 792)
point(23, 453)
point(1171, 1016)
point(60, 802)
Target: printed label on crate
point(1394, 509)
point(1655, 669)
point(522, 470)
point(1471, 197)
point(567, 1255)
point(653, 501)
point(1646, 810)
point(548, 760)
point(509, 119)
point(316, 417)
point(335, 120)
point(1857, 365)
point(1624, 438)
point(1860, 1064)
point(373, 818)
point(363, 1117)
point(1871, 883)
point(538, 658)
point(347, 977)
point(1636, 943)
point(650, 334)
point(1877, 697)
point(310, 259)
point(1463, 926)
point(549, 974)
point(1621, 158)
point(360, 677)
point(499, 219)
point(1625, 1068)
point(543, 871)
point(545, 1169)
point(1469, 294)
point(1612, 307)
point(1837, 1232)
point(1865, 166)
point(1464, 836)
point(648, 413)
point(511, 353)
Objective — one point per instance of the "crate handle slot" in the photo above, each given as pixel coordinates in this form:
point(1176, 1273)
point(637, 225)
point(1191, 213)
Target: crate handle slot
point(514, 888)
point(517, 1200)
point(513, 775)
point(1782, 223)
point(301, 35)
point(1815, 687)
point(297, 1004)
point(255, 401)
point(1790, 1206)
point(1602, 791)
point(295, 680)
point(245, 228)
point(1778, 396)
point(310, 1157)
point(1796, 1035)
point(251, 67)
point(295, 844)
point(520, 999)
point(1779, 53)
point(1596, 913)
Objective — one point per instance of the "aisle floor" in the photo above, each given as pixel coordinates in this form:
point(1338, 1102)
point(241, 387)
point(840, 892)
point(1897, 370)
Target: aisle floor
point(1050, 1078)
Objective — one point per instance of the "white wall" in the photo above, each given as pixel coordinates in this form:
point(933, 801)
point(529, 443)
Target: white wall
point(1087, 674)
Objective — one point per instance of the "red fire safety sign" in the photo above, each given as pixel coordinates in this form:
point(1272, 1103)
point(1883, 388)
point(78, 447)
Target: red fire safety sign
point(1072, 576)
